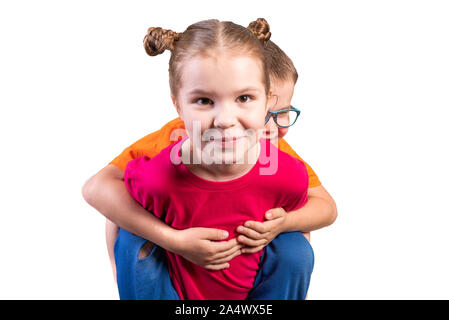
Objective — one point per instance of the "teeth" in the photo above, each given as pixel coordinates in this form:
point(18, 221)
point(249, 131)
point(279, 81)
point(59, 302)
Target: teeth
point(230, 139)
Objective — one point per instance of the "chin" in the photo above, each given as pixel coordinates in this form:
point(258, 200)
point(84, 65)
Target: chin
point(282, 133)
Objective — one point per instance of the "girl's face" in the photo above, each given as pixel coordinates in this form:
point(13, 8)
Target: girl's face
point(225, 96)
point(283, 93)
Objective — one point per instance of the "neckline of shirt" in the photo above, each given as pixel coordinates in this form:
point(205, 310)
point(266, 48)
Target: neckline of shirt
point(210, 185)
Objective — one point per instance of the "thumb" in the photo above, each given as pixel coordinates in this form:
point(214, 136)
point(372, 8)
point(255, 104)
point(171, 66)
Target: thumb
point(273, 214)
point(215, 234)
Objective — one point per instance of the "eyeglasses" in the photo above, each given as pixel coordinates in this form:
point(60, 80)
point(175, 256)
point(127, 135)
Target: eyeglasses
point(283, 118)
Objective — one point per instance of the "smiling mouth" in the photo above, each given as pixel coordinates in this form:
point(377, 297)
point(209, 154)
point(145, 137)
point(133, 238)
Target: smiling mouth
point(225, 140)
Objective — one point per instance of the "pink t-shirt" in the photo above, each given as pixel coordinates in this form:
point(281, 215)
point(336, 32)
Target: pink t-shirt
point(183, 200)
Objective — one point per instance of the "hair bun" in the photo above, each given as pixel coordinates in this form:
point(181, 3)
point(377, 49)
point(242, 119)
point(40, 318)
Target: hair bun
point(261, 29)
point(157, 40)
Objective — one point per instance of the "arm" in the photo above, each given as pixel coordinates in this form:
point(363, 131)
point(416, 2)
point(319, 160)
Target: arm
point(111, 235)
point(107, 193)
point(319, 211)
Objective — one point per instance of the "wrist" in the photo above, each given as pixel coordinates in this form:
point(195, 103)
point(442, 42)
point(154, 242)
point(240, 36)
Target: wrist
point(284, 224)
point(174, 243)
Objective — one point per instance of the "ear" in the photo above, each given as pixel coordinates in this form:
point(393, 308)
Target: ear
point(270, 97)
point(271, 101)
point(176, 104)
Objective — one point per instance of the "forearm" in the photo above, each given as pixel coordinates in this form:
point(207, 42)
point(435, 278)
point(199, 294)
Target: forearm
point(317, 213)
point(111, 235)
point(111, 198)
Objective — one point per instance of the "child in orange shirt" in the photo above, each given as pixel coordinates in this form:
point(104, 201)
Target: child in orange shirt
point(102, 191)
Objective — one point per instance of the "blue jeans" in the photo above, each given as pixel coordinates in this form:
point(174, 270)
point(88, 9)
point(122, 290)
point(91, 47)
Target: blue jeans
point(284, 272)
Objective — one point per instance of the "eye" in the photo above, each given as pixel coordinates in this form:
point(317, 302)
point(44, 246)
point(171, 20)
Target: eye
point(203, 101)
point(284, 115)
point(244, 98)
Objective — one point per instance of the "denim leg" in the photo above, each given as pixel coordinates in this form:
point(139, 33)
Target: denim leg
point(153, 280)
point(285, 269)
point(141, 279)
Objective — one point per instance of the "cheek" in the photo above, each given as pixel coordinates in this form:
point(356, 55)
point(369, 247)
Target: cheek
point(194, 118)
point(282, 132)
point(255, 118)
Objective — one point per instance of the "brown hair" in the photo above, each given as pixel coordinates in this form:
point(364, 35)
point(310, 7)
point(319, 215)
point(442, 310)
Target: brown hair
point(205, 36)
point(280, 66)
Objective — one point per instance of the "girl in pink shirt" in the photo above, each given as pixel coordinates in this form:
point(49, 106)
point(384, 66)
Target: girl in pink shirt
point(224, 172)
point(184, 200)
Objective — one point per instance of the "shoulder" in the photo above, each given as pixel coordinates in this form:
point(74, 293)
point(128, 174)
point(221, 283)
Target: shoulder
point(170, 133)
point(288, 160)
point(145, 164)
point(285, 147)
point(287, 169)
point(136, 171)
point(156, 171)
point(153, 143)
point(293, 168)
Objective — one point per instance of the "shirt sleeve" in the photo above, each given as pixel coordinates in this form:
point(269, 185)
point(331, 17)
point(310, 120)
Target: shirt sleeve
point(136, 181)
point(313, 178)
point(126, 156)
point(298, 193)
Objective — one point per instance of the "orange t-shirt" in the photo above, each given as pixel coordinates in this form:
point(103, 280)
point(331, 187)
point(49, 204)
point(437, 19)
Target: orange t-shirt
point(155, 142)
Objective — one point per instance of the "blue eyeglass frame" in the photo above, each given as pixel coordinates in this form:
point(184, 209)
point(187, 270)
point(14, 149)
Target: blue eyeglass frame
point(274, 115)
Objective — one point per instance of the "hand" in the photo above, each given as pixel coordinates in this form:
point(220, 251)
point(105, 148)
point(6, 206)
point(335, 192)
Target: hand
point(256, 235)
point(202, 247)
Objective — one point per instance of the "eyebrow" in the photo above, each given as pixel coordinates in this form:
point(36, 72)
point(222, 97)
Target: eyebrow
point(199, 91)
point(205, 92)
point(249, 89)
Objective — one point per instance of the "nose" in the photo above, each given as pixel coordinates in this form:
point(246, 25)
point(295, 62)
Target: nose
point(226, 116)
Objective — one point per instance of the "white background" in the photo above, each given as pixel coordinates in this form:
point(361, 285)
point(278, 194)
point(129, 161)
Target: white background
point(77, 87)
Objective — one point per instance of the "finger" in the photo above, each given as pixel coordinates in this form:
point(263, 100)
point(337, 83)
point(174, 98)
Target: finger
point(252, 249)
point(274, 213)
point(250, 233)
point(213, 234)
point(226, 259)
point(222, 246)
point(217, 266)
point(250, 242)
point(226, 253)
point(261, 227)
